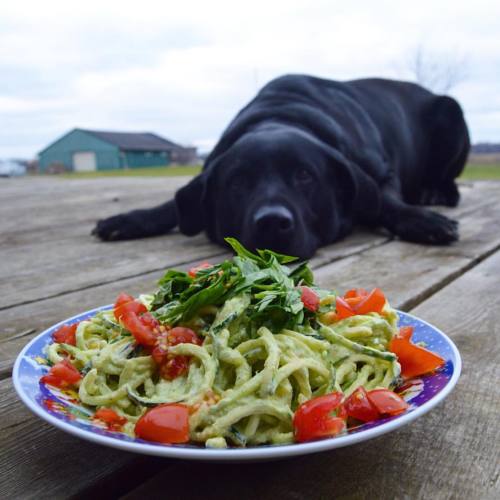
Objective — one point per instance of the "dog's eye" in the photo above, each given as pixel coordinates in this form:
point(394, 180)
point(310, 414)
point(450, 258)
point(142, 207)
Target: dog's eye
point(303, 176)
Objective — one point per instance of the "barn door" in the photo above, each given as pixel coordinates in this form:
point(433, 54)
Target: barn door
point(84, 161)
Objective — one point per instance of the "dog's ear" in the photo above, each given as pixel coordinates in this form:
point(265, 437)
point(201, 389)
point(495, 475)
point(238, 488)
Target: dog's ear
point(189, 206)
point(358, 191)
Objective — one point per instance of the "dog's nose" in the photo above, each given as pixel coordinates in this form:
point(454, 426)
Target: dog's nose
point(275, 219)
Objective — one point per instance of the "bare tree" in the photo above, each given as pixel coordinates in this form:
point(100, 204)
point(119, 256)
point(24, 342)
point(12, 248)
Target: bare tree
point(439, 72)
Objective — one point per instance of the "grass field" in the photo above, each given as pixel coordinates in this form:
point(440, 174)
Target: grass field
point(136, 172)
point(481, 171)
point(473, 172)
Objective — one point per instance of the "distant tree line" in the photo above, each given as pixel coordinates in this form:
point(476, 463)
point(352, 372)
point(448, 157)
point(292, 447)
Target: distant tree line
point(485, 147)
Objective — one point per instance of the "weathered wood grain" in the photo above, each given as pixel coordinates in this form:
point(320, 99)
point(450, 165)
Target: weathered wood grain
point(83, 262)
point(39, 202)
point(37, 315)
point(39, 461)
point(71, 259)
point(33, 266)
point(408, 273)
point(452, 452)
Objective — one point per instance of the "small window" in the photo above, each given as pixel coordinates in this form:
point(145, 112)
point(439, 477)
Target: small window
point(148, 154)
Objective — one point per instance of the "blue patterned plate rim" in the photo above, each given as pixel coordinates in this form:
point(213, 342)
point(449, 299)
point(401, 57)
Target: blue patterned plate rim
point(445, 379)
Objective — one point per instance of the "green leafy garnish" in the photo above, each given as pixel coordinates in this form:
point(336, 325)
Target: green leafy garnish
point(273, 288)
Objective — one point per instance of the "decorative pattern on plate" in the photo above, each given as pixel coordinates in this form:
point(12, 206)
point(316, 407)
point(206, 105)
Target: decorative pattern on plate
point(61, 409)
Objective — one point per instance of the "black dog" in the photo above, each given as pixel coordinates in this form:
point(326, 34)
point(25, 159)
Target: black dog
point(308, 158)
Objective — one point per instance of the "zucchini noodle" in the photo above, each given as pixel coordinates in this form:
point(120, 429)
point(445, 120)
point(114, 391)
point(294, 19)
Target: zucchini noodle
point(243, 383)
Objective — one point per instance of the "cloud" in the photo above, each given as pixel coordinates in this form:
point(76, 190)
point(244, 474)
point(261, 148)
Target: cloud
point(183, 69)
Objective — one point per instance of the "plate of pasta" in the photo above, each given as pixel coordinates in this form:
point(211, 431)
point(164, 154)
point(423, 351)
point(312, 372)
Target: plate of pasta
point(243, 360)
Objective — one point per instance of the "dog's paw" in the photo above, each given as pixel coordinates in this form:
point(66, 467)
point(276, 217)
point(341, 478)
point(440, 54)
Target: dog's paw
point(118, 227)
point(446, 195)
point(425, 226)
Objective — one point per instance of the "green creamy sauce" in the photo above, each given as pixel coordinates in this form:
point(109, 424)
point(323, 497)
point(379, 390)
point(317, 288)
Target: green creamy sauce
point(245, 387)
point(263, 354)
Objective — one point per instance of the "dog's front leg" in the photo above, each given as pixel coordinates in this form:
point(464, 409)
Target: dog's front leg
point(414, 223)
point(138, 223)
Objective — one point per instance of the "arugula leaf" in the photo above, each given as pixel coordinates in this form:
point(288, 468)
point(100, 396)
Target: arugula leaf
point(263, 257)
point(302, 273)
point(271, 287)
point(281, 258)
point(241, 251)
point(172, 284)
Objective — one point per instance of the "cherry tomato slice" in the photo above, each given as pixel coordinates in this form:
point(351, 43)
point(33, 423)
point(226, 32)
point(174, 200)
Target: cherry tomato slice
point(344, 310)
point(62, 375)
point(354, 301)
point(126, 303)
point(387, 402)
point(135, 307)
point(159, 354)
point(355, 293)
point(309, 298)
point(414, 360)
point(194, 270)
point(143, 328)
point(358, 406)
point(314, 420)
point(65, 334)
point(183, 335)
point(406, 332)
point(174, 367)
point(110, 418)
point(168, 424)
point(122, 299)
point(373, 302)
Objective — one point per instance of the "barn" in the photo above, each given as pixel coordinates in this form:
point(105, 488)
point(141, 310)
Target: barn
point(85, 150)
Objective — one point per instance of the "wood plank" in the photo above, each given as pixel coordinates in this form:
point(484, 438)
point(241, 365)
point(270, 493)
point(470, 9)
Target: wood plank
point(40, 461)
point(370, 262)
point(38, 233)
point(409, 273)
point(452, 452)
point(82, 262)
point(275, 476)
point(72, 259)
point(20, 324)
point(23, 322)
point(43, 200)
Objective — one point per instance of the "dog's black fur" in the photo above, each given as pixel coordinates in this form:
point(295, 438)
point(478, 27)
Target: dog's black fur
point(308, 158)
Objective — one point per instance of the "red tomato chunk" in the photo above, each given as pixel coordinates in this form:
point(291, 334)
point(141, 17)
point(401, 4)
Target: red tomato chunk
point(110, 418)
point(359, 301)
point(414, 360)
point(319, 418)
point(62, 375)
point(310, 299)
point(194, 270)
point(144, 328)
point(174, 366)
point(358, 406)
point(65, 334)
point(168, 424)
point(126, 303)
point(387, 402)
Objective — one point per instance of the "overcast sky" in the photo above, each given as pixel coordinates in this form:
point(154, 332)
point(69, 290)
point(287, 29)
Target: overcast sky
point(184, 68)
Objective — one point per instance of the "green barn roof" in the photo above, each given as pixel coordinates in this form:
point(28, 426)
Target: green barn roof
point(126, 141)
point(134, 141)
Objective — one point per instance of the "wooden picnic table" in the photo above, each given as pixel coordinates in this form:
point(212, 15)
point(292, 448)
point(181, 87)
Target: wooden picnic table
point(51, 268)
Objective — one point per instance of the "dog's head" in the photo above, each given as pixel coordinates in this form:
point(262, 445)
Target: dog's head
point(277, 188)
